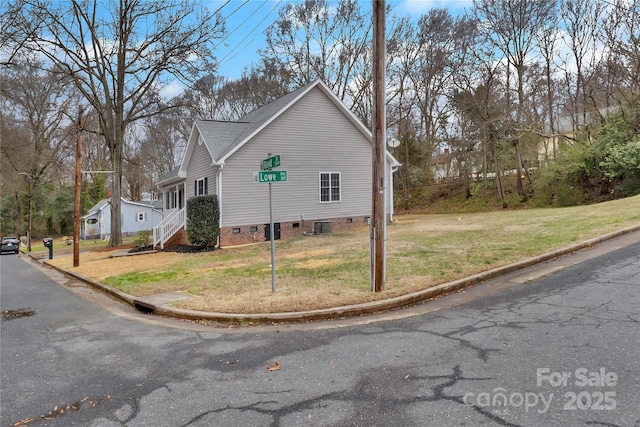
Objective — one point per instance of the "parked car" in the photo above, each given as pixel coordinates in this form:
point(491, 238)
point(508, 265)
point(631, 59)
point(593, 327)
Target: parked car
point(10, 244)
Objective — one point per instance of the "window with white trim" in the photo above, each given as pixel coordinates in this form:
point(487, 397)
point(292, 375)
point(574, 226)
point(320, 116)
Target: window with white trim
point(200, 186)
point(142, 216)
point(329, 187)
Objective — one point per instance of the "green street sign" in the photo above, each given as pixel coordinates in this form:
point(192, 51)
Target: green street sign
point(272, 176)
point(271, 162)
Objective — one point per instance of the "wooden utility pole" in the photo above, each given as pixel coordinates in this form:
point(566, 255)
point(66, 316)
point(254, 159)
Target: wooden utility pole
point(378, 220)
point(76, 200)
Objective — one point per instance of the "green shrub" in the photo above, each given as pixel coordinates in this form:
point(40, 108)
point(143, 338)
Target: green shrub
point(143, 240)
point(555, 187)
point(203, 219)
point(628, 188)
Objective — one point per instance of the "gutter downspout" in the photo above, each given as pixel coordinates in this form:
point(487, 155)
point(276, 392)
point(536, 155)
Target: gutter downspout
point(219, 193)
point(393, 170)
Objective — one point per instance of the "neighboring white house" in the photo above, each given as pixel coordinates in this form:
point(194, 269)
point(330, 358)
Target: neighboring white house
point(442, 166)
point(326, 151)
point(135, 216)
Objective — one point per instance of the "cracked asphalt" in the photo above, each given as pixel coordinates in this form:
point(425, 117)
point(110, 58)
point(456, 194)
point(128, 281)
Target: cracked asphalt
point(558, 350)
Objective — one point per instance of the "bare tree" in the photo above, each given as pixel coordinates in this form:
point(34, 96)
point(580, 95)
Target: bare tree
point(512, 26)
point(464, 136)
point(12, 37)
point(441, 48)
point(158, 149)
point(214, 97)
point(41, 103)
point(254, 89)
point(118, 54)
point(581, 19)
point(203, 98)
point(402, 53)
point(38, 103)
point(319, 40)
point(547, 40)
point(484, 107)
point(423, 62)
point(621, 71)
point(13, 145)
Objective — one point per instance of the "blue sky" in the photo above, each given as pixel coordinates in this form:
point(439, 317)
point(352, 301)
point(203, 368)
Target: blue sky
point(247, 21)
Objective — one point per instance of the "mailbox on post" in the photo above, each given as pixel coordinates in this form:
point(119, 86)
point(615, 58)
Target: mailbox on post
point(48, 243)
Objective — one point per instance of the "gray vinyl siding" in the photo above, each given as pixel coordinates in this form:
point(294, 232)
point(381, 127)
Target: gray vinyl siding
point(312, 136)
point(200, 166)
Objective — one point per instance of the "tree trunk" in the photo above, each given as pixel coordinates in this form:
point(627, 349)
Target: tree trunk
point(467, 182)
point(116, 199)
point(519, 183)
point(550, 106)
point(406, 176)
point(119, 127)
point(498, 172)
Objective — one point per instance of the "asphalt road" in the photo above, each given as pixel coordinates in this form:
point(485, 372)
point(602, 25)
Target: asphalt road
point(561, 350)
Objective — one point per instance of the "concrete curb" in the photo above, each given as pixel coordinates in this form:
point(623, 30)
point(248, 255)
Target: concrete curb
point(347, 310)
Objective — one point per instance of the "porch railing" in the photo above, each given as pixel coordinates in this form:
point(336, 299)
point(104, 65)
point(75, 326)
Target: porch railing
point(168, 227)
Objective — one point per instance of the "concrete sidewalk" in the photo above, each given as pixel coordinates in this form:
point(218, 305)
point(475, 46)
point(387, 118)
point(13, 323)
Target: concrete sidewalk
point(162, 304)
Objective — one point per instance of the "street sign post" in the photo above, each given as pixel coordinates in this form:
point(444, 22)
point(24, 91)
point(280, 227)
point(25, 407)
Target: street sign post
point(272, 176)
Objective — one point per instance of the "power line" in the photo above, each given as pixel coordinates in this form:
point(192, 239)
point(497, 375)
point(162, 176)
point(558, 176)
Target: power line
point(222, 61)
point(235, 54)
point(229, 16)
point(226, 37)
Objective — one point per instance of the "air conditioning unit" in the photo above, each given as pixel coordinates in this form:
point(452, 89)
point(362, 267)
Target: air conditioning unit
point(322, 227)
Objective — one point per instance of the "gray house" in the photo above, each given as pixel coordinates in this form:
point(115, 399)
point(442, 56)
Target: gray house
point(325, 150)
point(135, 216)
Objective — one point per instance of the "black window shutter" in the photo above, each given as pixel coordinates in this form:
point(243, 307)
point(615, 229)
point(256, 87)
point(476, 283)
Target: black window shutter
point(195, 187)
point(206, 183)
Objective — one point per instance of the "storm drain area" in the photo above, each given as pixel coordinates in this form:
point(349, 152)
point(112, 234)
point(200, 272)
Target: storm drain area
point(143, 307)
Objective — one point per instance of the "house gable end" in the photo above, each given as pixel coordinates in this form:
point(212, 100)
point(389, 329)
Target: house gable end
point(266, 115)
point(262, 117)
point(200, 176)
point(313, 138)
point(194, 139)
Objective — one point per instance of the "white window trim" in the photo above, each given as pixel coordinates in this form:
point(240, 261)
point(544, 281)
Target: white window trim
point(330, 188)
point(204, 187)
point(141, 217)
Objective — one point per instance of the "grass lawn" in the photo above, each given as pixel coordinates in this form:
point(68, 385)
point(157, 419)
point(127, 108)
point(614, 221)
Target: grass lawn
point(332, 270)
point(60, 246)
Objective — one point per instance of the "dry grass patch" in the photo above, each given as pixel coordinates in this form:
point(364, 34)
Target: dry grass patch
point(100, 265)
point(290, 296)
point(310, 253)
point(316, 263)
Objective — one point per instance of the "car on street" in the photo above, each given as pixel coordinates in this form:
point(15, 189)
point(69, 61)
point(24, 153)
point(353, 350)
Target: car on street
point(10, 244)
